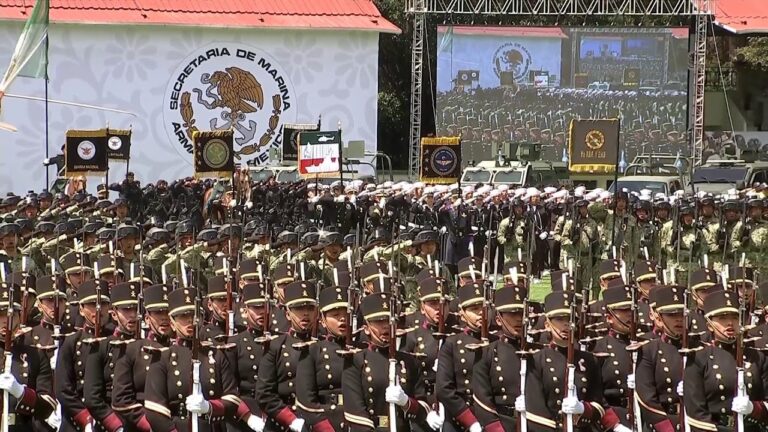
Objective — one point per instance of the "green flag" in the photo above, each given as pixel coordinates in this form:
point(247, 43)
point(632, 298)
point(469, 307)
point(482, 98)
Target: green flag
point(30, 58)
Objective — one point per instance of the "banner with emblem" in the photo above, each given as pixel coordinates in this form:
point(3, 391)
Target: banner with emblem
point(593, 146)
point(320, 154)
point(119, 144)
point(291, 139)
point(214, 153)
point(85, 152)
point(440, 160)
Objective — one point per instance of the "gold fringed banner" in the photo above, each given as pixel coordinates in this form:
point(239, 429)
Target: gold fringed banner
point(593, 146)
point(440, 160)
point(85, 153)
point(214, 154)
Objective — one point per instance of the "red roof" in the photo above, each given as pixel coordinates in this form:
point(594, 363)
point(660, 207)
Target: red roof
point(742, 16)
point(308, 14)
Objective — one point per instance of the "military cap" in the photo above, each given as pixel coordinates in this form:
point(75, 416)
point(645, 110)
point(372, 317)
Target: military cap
point(379, 235)
point(219, 263)
point(609, 268)
point(731, 204)
point(46, 287)
point(106, 234)
point(249, 269)
point(9, 229)
point(24, 224)
point(77, 223)
point(230, 230)
point(27, 282)
point(286, 238)
point(558, 303)
point(87, 292)
point(255, 293)
point(171, 225)
point(258, 232)
point(5, 287)
point(44, 194)
point(155, 297)
point(300, 293)
point(376, 306)
point(284, 273)
point(341, 266)
point(431, 289)
point(703, 278)
point(406, 236)
point(521, 266)
point(643, 204)
point(425, 273)
point(217, 286)
point(373, 269)
point(349, 240)
point(184, 227)
point(510, 297)
point(137, 272)
point(618, 297)
point(45, 227)
point(755, 202)
point(721, 302)
point(207, 235)
point(63, 228)
point(645, 270)
point(309, 239)
point(471, 293)
point(738, 275)
point(329, 238)
point(103, 204)
point(92, 226)
point(156, 234)
point(686, 208)
point(127, 230)
point(125, 294)
point(469, 265)
point(11, 200)
point(581, 202)
point(425, 237)
point(570, 283)
point(382, 284)
point(181, 301)
point(76, 262)
point(344, 279)
point(108, 264)
point(119, 202)
point(333, 297)
point(667, 298)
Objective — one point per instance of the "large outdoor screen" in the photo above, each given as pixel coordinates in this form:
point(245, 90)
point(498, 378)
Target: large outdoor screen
point(526, 84)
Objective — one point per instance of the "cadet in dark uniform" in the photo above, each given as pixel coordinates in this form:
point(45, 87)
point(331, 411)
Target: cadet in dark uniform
point(496, 378)
point(77, 270)
point(73, 354)
point(321, 365)
point(47, 335)
point(216, 328)
point(283, 275)
point(276, 386)
point(169, 401)
point(366, 386)
point(546, 400)
point(250, 347)
point(659, 364)
point(712, 399)
point(28, 382)
point(611, 350)
point(646, 277)
point(130, 375)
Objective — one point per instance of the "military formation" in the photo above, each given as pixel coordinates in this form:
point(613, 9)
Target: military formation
point(402, 307)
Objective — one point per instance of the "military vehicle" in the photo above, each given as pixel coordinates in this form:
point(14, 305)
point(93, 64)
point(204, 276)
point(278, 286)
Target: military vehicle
point(717, 176)
point(659, 173)
point(517, 165)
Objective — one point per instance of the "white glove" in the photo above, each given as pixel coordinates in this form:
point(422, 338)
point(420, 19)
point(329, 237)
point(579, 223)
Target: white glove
point(197, 404)
point(631, 381)
point(435, 420)
point(742, 405)
point(520, 404)
point(572, 405)
point(621, 428)
point(680, 389)
point(8, 383)
point(475, 427)
point(54, 420)
point(88, 428)
point(543, 235)
point(443, 230)
point(296, 425)
point(396, 395)
point(256, 423)
point(46, 161)
point(249, 205)
point(232, 204)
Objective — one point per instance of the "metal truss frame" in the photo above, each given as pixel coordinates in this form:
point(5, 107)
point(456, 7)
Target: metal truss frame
point(419, 9)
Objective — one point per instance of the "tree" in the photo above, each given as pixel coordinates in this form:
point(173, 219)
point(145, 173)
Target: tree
point(755, 53)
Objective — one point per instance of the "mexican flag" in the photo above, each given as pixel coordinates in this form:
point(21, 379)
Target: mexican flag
point(30, 58)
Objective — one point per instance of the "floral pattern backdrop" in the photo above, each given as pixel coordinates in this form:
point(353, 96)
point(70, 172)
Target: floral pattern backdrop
point(333, 74)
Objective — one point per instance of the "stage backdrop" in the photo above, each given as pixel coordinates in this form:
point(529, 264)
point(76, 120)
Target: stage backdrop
point(177, 80)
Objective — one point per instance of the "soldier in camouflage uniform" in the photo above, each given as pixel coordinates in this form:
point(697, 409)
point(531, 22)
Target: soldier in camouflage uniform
point(683, 243)
point(750, 238)
point(11, 254)
point(581, 240)
point(622, 225)
point(512, 232)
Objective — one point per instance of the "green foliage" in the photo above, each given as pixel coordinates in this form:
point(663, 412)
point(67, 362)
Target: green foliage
point(755, 53)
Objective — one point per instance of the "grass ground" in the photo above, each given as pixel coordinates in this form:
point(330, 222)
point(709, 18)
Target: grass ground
point(540, 289)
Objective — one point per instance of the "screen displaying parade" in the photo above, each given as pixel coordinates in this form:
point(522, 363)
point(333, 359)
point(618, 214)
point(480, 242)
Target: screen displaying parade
point(217, 218)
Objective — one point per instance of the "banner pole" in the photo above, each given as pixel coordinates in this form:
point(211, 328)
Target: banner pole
point(47, 152)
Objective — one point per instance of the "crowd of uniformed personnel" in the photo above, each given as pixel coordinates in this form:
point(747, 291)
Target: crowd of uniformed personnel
point(385, 307)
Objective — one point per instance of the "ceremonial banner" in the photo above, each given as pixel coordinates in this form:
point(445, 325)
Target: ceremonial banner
point(593, 146)
point(291, 139)
point(440, 160)
point(319, 154)
point(85, 153)
point(214, 153)
point(119, 144)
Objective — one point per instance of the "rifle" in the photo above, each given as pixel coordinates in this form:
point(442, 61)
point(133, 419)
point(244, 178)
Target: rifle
point(57, 282)
point(97, 321)
point(24, 290)
point(633, 407)
point(522, 419)
point(393, 358)
point(196, 386)
point(570, 371)
point(8, 341)
point(741, 388)
point(267, 338)
point(230, 324)
point(684, 351)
